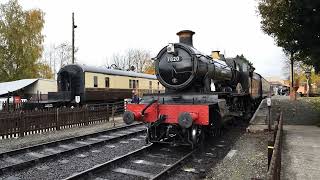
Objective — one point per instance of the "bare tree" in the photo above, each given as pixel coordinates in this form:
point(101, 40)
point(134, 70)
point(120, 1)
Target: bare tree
point(64, 53)
point(142, 60)
point(133, 59)
point(118, 61)
point(57, 56)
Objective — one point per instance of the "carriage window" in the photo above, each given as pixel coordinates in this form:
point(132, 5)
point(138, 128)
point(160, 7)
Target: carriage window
point(137, 83)
point(107, 82)
point(134, 84)
point(95, 81)
point(130, 83)
point(158, 86)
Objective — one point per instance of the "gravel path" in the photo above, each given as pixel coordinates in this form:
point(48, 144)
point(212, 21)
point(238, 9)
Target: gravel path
point(246, 159)
point(33, 139)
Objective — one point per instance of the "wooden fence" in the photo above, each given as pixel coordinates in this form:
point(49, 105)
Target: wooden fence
point(274, 154)
point(21, 123)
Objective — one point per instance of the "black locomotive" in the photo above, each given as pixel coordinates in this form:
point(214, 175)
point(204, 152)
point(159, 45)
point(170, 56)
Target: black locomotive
point(202, 92)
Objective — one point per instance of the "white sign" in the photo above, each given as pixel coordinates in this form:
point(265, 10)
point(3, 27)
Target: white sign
point(48, 105)
point(77, 99)
point(269, 101)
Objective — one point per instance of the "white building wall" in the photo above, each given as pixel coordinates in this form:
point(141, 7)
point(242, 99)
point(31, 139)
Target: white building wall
point(42, 86)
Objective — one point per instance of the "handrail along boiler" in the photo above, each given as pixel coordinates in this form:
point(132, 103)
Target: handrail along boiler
point(202, 93)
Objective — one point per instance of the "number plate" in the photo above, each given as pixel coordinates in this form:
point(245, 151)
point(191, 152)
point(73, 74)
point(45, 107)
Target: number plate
point(174, 59)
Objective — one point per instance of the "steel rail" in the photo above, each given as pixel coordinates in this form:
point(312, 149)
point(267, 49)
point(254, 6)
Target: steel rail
point(89, 172)
point(52, 143)
point(168, 169)
point(20, 165)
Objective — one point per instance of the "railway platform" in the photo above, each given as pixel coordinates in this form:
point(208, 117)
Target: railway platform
point(301, 152)
point(301, 134)
point(301, 145)
point(259, 120)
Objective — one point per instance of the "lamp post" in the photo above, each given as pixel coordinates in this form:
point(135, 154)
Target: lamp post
point(308, 75)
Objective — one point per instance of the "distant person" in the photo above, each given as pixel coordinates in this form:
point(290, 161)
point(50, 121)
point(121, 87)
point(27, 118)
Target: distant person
point(135, 97)
point(279, 92)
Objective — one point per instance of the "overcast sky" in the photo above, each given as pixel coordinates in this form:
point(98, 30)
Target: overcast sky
point(107, 27)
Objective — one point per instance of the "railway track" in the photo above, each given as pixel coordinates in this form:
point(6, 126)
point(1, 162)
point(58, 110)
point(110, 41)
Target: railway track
point(29, 156)
point(148, 162)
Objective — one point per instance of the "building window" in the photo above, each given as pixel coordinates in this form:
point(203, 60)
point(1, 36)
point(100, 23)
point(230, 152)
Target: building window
point(137, 84)
point(158, 86)
point(150, 85)
point(95, 81)
point(107, 82)
point(130, 83)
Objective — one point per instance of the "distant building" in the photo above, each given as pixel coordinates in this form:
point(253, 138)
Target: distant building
point(30, 89)
point(278, 85)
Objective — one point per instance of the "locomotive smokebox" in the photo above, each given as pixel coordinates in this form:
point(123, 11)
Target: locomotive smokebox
point(185, 37)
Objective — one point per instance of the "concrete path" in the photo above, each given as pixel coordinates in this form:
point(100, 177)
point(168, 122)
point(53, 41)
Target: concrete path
point(301, 152)
point(259, 121)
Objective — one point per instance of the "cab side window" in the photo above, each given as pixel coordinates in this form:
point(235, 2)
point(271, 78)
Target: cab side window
point(244, 67)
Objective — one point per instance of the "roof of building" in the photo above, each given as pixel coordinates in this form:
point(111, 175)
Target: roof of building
point(12, 86)
point(115, 72)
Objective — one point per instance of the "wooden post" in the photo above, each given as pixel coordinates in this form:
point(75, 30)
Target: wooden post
point(108, 113)
point(87, 115)
point(113, 112)
point(57, 119)
point(8, 101)
point(22, 124)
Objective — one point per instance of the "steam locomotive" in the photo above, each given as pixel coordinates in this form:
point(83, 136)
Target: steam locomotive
point(202, 93)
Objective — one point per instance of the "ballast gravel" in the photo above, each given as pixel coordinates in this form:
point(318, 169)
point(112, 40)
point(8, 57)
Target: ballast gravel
point(66, 165)
point(246, 159)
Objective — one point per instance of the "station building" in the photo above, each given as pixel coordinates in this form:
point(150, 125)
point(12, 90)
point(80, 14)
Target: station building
point(28, 89)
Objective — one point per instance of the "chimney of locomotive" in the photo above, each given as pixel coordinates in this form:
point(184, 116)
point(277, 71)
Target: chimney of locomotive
point(185, 37)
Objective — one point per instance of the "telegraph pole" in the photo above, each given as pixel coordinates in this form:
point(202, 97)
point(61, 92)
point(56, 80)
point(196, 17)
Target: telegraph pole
point(73, 27)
